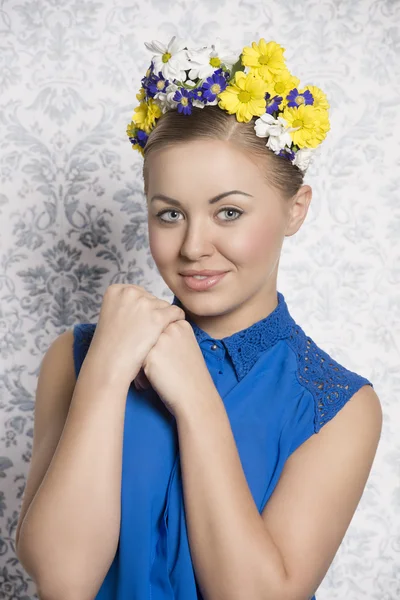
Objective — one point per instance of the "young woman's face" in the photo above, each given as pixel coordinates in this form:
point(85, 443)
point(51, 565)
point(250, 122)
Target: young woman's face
point(241, 233)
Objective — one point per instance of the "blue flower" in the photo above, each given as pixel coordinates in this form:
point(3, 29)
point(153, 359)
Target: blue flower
point(147, 78)
point(214, 85)
point(156, 84)
point(224, 72)
point(198, 94)
point(140, 138)
point(272, 103)
point(287, 153)
point(184, 98)
point(295, 99)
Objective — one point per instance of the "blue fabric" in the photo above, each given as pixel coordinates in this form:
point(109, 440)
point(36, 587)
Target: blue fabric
point(278, 388)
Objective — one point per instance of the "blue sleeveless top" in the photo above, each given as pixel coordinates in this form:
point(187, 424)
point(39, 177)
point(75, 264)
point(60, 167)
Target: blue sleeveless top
point(278, 388)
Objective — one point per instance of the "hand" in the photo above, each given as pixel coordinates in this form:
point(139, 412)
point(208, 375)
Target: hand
point(130, 323)
point(176, 369)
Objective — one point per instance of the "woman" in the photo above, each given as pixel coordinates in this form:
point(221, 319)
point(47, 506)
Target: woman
point(234, 464)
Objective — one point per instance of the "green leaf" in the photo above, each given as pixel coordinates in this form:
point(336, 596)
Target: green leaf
point(238, 66)
point(185, 85)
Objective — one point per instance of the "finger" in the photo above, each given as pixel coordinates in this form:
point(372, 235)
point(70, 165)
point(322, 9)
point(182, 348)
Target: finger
point(142, 379)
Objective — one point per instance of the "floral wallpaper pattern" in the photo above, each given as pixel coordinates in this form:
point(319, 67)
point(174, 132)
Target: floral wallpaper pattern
point(73, 216)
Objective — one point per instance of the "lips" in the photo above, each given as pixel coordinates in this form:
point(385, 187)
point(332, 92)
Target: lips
point(205, 273)
point(200, 285)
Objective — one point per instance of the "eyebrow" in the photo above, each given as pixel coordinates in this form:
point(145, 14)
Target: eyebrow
point(211, 201)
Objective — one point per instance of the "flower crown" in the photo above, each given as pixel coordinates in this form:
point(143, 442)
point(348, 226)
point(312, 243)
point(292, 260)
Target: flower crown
point(294, 121)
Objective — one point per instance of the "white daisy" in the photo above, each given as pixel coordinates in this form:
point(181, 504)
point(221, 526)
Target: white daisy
point(171, 60)
point(303, 158)
point(224, 53)
point(275, 129)
point(207, 60)
point(200, 65)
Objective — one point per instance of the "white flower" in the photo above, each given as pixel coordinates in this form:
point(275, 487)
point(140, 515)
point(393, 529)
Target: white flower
point(174, 55)
point(165, 99)
point(224, 53)
point(303, 158)
point(199, 104)
point(190, 83)
point(201, 60)
point(200, 63)
point(275, 129)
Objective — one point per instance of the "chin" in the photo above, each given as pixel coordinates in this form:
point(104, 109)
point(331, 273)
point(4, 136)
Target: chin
point(202, 304)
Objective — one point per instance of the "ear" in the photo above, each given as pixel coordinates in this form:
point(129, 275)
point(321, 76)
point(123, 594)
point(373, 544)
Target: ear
point(298, 210)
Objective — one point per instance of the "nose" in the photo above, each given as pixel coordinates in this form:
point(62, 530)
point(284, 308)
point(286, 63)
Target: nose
point(197, 241)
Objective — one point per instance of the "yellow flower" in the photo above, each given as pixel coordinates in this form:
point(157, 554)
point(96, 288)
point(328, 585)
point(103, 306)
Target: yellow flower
point(131, 129)
point(146, 114)
point(137, 147)
point(281, 85)
point(244, 97)
point(320, 99)
point(141, 95)
point(264, 59)
point(313, 125)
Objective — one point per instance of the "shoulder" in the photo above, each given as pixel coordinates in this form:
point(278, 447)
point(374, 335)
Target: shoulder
point(329, 382)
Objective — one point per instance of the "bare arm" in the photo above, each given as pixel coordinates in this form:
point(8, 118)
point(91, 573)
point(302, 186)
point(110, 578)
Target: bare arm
point(285, 552)
point(70, 533)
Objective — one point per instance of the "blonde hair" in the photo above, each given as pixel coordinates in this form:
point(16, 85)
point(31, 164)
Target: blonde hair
point(215, 123)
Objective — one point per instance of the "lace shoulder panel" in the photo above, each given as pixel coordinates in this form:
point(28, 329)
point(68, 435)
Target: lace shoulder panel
point(330, 383)
point(83, 334)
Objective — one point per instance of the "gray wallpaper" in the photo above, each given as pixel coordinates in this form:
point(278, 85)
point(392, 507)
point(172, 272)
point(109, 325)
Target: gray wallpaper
point(73, 217)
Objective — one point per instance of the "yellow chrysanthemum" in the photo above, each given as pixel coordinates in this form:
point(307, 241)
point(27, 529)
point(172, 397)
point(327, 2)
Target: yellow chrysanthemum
point(245, 97)
point(320, 99)
point(131, 129)
point(281, 85)
point(146, 114)
point(137, 147)
point(131, 132)
point(264, 59)
point(141, 95)
point(313, 125)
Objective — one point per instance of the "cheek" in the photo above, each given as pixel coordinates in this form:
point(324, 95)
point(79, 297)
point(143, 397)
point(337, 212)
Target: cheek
point(161, 246)
point(257, 242)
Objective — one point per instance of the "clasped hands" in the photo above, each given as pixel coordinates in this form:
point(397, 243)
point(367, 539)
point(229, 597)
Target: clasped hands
point(176, 369)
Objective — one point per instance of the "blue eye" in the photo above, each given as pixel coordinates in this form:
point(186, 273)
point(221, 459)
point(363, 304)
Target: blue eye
point(171, 210)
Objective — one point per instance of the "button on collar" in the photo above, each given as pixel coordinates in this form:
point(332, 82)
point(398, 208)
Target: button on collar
point(245, 346)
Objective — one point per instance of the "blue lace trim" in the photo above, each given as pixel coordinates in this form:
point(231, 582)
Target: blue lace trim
point(330, 383)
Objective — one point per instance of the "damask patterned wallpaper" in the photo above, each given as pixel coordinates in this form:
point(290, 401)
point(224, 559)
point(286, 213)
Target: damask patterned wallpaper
point(73, 216)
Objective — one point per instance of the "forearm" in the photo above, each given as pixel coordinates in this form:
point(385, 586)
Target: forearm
point(233, 555)
point(70, 533)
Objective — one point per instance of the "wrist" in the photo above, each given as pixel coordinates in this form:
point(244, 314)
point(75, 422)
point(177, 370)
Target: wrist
point(107, 373)
point(204, 403)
